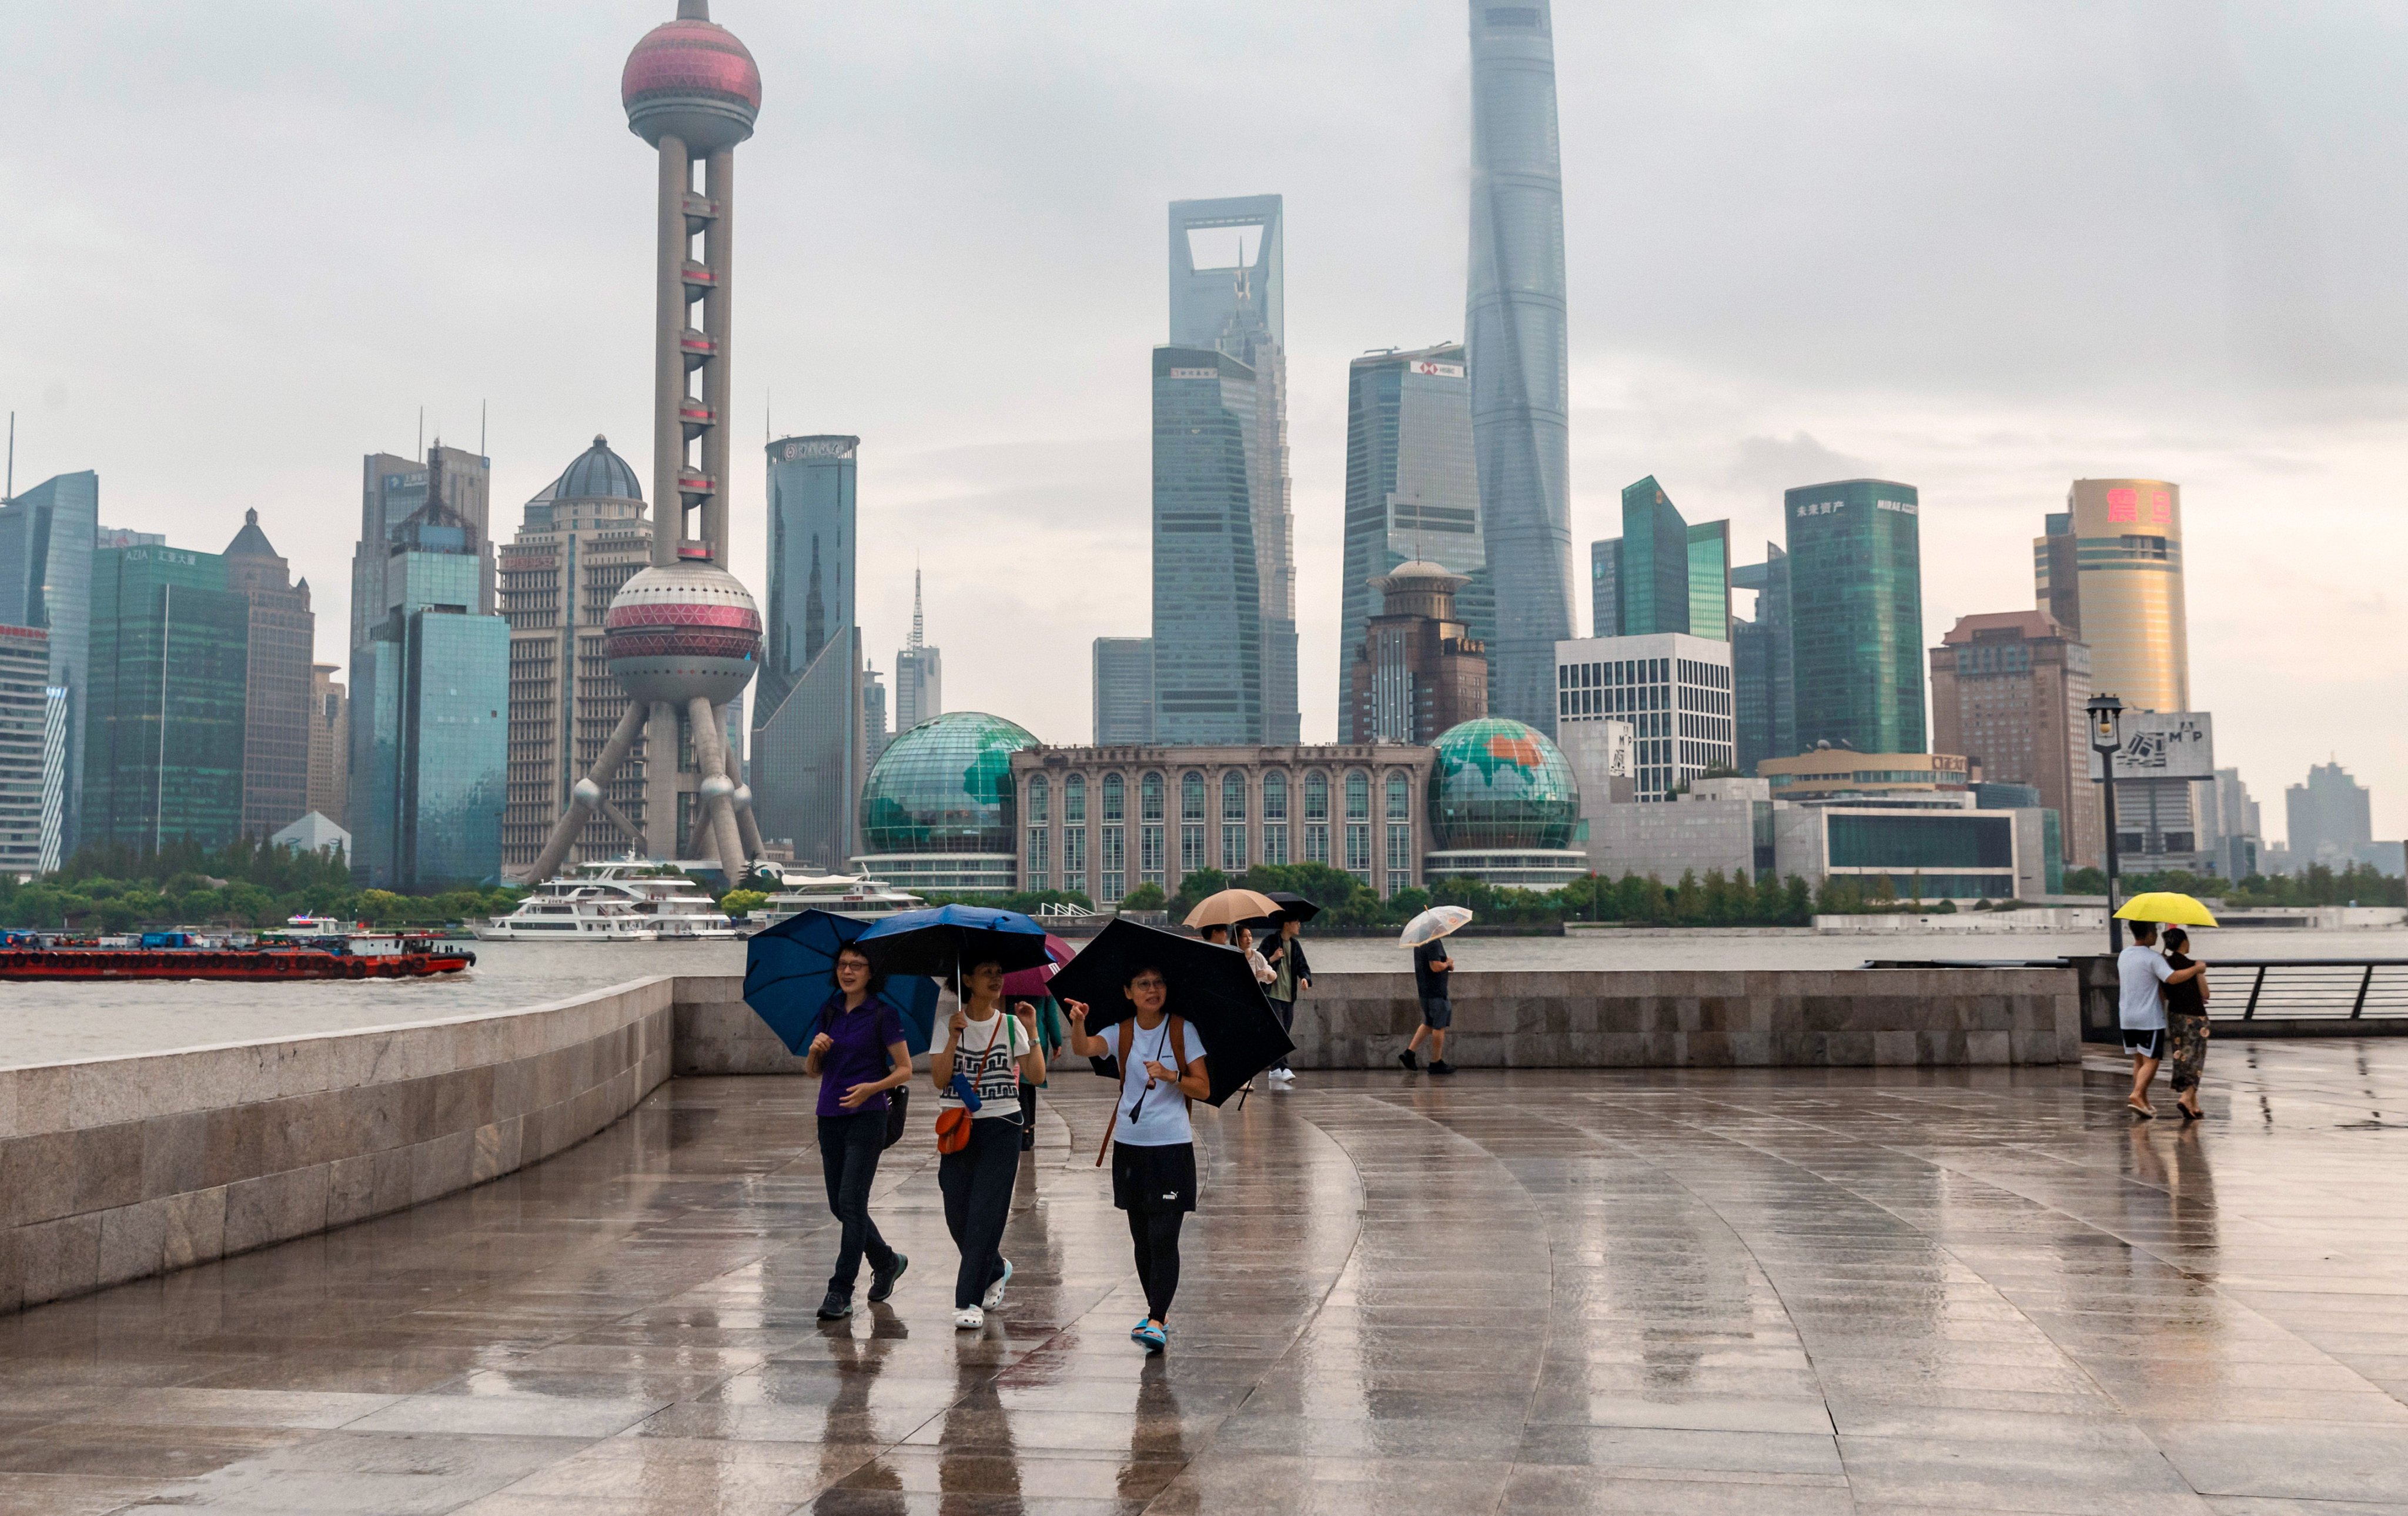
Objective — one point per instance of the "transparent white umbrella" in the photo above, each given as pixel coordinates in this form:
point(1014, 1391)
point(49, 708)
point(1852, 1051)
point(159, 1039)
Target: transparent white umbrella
point(1434, 923)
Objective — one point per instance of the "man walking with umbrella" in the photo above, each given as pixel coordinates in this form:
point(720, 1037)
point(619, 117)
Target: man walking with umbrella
point(1432, 971)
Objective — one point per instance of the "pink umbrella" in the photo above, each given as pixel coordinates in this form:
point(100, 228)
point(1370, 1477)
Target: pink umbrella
point(1028, 984)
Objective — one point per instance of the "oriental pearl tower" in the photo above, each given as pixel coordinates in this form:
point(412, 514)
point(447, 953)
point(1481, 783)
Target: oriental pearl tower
point(684, 635)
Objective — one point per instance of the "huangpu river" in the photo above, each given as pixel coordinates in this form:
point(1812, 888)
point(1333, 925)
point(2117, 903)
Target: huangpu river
point(51, 1023)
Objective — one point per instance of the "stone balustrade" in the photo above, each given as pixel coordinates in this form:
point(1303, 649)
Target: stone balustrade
point(115, 1168)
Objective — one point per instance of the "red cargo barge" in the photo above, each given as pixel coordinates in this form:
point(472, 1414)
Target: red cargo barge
point(177, 956)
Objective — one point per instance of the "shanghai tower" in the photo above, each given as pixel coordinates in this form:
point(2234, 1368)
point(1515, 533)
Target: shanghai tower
point(1514, 326)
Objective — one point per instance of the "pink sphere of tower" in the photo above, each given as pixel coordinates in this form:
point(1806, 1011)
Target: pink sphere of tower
point(683, 629)
point(691, 79)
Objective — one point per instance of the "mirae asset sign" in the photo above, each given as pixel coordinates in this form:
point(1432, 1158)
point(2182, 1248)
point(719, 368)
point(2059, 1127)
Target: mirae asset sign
point(1824, 508)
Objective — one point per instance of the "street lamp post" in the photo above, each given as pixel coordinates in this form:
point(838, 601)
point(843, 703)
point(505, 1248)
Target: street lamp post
point(2106, 719)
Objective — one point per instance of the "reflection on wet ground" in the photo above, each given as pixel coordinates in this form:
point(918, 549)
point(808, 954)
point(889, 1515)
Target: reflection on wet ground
point(1778, 1292)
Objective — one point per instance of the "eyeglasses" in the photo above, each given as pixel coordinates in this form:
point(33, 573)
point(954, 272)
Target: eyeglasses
point(1151, 981)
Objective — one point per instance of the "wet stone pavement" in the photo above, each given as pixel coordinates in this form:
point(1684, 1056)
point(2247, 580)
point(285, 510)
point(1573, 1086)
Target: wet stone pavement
point(1796, 1291)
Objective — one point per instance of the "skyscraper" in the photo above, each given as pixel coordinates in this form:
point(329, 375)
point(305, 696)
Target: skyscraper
point(25, 722)
point(579, 540)
point(275, 724)
point(429, 715)
point(1123, 690)
point(810, 745)
point(46, 549)
point(1518, 355)
point(1855, 599)
point(919, 673)
point(684, 635)
point(2010, 691)
point(2110, 569)
point(875, 733)
point(170, 653)
point(2330, 817)
point(1208, 623)
point(1761, 675)
point(330, 743)
point(1419, 672)
point(1663, 575)
point(1221, 299)
point(1413, 488)
point(392, 489)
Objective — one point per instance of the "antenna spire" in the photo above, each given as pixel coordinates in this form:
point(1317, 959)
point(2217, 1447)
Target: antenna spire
point(9, 492)
point(918, 627)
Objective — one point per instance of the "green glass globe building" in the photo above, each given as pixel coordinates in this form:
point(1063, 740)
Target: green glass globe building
point(1504, 808)
point(938, 810)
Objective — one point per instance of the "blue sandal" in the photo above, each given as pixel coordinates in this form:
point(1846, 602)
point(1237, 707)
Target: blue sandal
point(1155, 1338)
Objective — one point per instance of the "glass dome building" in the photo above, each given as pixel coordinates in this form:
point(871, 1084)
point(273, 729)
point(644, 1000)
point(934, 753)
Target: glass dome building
point(1504, 808)
point(938, 810)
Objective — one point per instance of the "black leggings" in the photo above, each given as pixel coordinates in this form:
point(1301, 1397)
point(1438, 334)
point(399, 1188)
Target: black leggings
point(1156, 1235)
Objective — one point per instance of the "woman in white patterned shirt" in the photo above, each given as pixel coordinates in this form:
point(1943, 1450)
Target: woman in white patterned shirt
point(993, 1051)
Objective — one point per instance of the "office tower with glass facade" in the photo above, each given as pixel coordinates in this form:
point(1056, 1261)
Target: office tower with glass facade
point(47, 538)
point(581, 538)
point(809, 741)
point(919, 673)
point(1673, 690)
point(1123, 690)
point(2330, 817)
point(1761, 663)
point(1413, 488)
point(1419, 670)
point(1663, 575)
point(276, 726)
point(25, 725)
point(2110, 569)
point(1228, 292)
point(1207, 623)
point(2231, 828)
point(875, 733)
point(1855, 609)
point(430, 716)
point(170, 654)
point(330, 743)
point(1605, 586)
point(1710, 584)
point(2010, 691)
point(1518, 355)
point(392, 489)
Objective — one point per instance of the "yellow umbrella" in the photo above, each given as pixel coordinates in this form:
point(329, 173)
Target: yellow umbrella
point(2165, 907)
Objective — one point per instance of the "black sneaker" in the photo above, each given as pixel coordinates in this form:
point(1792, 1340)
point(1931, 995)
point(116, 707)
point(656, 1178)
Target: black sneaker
point(881, 1282)
point(1439, 1065)
point(836, 1307)
point(1408, 1059)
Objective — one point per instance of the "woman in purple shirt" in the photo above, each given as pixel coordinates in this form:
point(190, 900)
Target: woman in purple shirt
point(858, 1055)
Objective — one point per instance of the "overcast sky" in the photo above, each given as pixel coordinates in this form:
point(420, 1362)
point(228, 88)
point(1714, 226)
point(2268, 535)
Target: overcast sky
point(1981, 248)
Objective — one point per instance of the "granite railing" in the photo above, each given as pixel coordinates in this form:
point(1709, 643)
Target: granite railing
point(115, 1168)
point(1586, 1018)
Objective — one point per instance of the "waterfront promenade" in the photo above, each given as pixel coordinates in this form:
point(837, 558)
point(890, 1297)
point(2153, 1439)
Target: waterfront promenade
point(1777, 1291)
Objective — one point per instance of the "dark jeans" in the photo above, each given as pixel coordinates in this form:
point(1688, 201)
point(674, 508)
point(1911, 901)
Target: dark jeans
point(1286, 1011)
point(1156, 1235)
point(977, 1184)
point(848, 1150)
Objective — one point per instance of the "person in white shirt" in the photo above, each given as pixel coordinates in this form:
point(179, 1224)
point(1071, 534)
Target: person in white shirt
point(993, 1051)
point(2140, 973)
point(1161, 1067)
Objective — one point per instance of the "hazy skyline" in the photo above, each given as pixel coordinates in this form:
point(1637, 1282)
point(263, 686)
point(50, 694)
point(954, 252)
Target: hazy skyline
point(1980, 249)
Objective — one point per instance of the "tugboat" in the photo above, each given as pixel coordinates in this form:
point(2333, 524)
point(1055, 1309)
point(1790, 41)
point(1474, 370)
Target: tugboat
point(306, 948)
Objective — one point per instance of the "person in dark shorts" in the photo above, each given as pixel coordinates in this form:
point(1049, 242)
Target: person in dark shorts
point(1431, 967)
point(2186, 1024)
point(2140, 971)
point(1159, 1060)
point(858, 1054)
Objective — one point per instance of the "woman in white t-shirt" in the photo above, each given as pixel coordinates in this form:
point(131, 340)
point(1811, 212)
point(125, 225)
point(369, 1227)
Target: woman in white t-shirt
point(993, 1052)
point(1161, 1068)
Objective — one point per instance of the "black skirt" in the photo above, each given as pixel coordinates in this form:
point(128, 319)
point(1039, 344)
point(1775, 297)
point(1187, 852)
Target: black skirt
point(1160, 1178)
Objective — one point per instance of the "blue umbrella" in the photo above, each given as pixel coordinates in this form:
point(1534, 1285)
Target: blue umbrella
point(790, 973)
point(941, 939)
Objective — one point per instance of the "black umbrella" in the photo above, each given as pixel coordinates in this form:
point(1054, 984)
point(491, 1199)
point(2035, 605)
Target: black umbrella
point(1292, 907)
point(1212, 989)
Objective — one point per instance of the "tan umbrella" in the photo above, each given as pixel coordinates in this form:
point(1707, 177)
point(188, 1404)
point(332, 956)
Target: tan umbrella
point(1231, 906)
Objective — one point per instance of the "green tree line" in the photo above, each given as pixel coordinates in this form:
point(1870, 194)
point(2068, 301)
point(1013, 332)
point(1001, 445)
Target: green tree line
point(248, 883)
point(2321, 885)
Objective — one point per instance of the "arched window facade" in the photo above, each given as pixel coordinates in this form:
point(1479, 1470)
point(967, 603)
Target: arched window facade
point(1074, 836)
point(1359, 825)
point(1275, 833)
point(1399, 810)
point(1317, 817)
point(1233, 822)
point(1074, 798)
point(1112, 847)
point(1191, 822)
point(1039, 802)
point(1150, 830)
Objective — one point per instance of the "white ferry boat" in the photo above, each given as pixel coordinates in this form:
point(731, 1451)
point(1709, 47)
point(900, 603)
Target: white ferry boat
point(858, 896)
point(625, 899)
